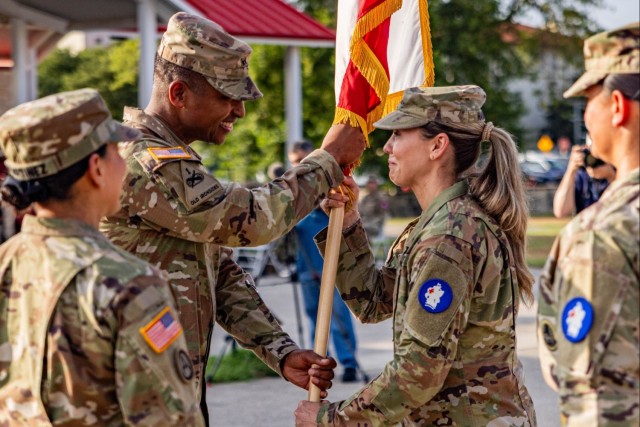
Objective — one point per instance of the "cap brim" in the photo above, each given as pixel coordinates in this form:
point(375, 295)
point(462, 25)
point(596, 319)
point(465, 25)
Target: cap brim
point(243, 89)
point(588, 79)
point(400, 120)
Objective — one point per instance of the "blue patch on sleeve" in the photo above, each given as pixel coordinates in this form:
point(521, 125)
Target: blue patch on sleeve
point(435, 295)
point(577, 319)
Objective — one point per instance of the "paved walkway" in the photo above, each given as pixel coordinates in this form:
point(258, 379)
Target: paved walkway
point(270, 402)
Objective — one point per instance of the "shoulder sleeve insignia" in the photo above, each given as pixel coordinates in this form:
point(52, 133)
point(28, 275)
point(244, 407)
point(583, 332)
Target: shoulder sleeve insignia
point(435, 295)
point(577, 318)
point(163, 153)
point(161, 331)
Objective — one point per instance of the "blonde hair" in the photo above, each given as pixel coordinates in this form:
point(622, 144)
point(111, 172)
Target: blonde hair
point(498, 187)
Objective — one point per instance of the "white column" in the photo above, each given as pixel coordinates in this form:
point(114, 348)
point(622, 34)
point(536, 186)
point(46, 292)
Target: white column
point(293, 96)
point(147, 27)
point(33, 74)
point(20, 51)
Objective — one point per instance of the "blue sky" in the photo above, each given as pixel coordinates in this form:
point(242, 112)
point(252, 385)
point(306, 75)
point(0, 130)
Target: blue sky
point(616, 13)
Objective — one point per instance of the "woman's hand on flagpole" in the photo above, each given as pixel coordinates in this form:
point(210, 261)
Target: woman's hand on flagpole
point(345, 143)
point(307, 413)
point(338, 198)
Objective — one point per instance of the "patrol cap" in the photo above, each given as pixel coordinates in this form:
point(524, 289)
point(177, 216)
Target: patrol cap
point(203, 46)
point(42, 137)
point(610, 52)
point(446, 104)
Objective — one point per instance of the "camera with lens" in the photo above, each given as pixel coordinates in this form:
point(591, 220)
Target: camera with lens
point(590, 160)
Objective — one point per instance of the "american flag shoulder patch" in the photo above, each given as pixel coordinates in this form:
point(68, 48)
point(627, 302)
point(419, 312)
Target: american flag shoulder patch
point(162, 153)
point(162, 330)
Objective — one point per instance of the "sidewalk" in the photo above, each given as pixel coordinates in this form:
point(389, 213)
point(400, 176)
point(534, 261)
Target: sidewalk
point(270, 402)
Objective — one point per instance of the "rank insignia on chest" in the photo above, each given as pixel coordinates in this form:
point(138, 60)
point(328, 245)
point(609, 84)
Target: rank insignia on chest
point(162, 153)
point(577, 318)
point(161, 331)
point(435, 295)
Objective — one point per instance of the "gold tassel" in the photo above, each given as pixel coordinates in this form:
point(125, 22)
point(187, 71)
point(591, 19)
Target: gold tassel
point(427, 48)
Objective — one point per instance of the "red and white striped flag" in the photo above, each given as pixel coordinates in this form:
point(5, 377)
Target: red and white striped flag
point(382, 48)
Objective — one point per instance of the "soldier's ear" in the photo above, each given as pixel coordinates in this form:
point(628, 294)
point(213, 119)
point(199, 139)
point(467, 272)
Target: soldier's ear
point(620, 108)
point(96, 171)
point(177, 93)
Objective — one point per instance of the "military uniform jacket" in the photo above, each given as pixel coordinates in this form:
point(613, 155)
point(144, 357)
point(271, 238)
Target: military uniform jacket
point(89, 334)
point(372, 210)
point(588, 311)
point(176, 215)
point(450, 286)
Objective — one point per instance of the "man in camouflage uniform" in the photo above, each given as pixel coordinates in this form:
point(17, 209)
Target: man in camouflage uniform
point(373, 209)
point(449, 283)
point(89, 333)
point(175, 214)
point(589, 289)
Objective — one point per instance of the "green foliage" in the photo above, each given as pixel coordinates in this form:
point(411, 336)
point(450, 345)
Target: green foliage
point(112, 71)
point(237, 365)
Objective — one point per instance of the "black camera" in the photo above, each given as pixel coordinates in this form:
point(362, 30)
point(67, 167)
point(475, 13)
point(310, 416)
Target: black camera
point(590, 160)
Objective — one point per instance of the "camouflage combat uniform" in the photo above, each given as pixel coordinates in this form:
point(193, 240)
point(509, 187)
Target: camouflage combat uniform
point(176, 215)
point(456, 367)
point(71, 310)
point(89, 334)
point(595, 262)
point(372, 210)
point(588, 320)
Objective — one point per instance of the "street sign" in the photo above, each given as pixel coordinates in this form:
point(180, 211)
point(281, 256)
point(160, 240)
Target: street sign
point(545, 144)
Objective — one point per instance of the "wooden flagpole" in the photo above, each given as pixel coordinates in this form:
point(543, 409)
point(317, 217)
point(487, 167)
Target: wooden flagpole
point(327, 285)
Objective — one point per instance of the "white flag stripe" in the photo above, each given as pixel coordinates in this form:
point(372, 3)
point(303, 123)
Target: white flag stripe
point(347, 17)
point(404, 50)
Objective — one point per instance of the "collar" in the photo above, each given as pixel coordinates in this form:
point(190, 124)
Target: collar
point(458, 189)
point(59, 227)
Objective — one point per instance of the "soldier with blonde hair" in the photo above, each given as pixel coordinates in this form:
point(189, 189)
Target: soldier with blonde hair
point(590, 287)
point(90, 334)
point(452, 281)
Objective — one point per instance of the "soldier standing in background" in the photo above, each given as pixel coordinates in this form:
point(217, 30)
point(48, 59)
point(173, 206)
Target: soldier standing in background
point(90, 334)
point(589, 289)
point(373, 209)
point(176, 215)
point(452, 281)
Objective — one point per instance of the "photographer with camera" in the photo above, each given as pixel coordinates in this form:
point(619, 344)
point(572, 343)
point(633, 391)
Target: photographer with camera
point(586, 177)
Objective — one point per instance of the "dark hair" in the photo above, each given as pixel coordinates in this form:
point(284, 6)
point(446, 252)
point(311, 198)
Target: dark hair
point(303, 145)
point(165, 72)
point(628, 84)
point(55, 187)
point(497, 188)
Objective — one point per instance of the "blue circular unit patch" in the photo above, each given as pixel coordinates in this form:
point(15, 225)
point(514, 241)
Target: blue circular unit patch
point(435, 295)
point(577, 318)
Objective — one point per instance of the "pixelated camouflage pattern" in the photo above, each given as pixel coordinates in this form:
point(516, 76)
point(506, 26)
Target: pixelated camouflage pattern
point(611, 52)
point(205, 47)
point(458, 367)
point(372, 210)
point(444, 104)
point(72, 354)
point(42, 137)
point(176, 215)
point(597, 257)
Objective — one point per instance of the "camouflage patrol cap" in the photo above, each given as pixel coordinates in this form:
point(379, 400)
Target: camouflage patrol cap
point(203, 46)
point(447, 104)
point(42, 137)
point(610, 52)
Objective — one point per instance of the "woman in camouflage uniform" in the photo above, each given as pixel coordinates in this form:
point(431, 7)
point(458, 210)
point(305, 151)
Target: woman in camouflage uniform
point(452, 281)
point(89, 334)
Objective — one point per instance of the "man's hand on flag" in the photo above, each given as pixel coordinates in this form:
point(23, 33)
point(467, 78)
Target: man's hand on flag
point(345, 143)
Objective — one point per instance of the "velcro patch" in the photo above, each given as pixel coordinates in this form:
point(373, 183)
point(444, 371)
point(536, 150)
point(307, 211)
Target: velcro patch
point(577, 318)
point(435, 295)
point(162, 153)
point(161, 331)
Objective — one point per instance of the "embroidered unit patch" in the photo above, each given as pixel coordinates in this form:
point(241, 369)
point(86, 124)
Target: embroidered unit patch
point(577, 318)
point(160, 153)
point(435, 295)
point(161, 331)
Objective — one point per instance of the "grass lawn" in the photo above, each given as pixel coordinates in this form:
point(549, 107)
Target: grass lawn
point(237, 365)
